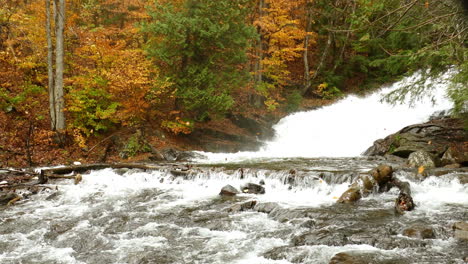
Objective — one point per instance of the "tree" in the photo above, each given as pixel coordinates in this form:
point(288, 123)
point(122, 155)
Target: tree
point(56, 99)
point(201, 45)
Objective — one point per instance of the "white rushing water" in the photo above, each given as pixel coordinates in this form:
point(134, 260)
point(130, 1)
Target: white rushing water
point(113, 218)
point(348, 127)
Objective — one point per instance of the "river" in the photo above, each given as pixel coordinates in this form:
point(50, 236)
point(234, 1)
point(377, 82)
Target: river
point(161, 216)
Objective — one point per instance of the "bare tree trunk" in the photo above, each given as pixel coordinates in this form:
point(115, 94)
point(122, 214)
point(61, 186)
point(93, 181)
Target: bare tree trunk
point(50, 67)
point(324, 55)
point(59, 100)
point(307, 80)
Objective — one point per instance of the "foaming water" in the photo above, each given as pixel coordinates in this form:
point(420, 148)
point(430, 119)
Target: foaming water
point(348, 127)
point(156, 217)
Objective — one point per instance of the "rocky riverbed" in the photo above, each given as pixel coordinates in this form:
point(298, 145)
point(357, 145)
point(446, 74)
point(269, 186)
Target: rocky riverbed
point(173, 213)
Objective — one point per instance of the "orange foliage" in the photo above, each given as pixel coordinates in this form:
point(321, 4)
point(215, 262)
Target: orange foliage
point(284, 34)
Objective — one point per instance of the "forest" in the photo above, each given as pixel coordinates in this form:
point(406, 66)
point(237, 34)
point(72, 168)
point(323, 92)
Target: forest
point(75, 74)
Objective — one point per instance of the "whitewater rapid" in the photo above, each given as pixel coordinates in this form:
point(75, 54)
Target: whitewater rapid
point(348, 127)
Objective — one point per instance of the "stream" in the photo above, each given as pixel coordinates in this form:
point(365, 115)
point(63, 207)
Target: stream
point(162, 216)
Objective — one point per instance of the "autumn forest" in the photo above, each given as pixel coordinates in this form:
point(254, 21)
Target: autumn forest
point(76, 75)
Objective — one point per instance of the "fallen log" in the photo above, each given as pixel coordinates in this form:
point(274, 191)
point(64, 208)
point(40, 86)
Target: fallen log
point(98, 166)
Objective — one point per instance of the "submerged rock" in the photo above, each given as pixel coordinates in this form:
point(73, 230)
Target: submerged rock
point(365, 257)
point(266, 207)
point(228, 190)
point(242, 207)
point(419, 231)
point(253, 188)
point(461, 230)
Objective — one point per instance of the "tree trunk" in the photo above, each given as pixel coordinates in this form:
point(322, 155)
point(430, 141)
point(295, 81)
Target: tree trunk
point(59, 65)
point(324, 55)
point(307, 80)
point(50, 67)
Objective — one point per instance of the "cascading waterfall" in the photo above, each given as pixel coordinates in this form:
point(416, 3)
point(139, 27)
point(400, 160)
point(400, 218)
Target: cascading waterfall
point(348, 127)
point(175, 215)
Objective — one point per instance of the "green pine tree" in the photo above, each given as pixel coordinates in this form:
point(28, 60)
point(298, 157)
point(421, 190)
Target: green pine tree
point(201, 45)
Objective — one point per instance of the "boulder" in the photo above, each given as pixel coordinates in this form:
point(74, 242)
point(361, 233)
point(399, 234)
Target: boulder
point(461, 230)
point(433, 137)
point(350, 196)
point(421, 158)
point(253, 188)
point(228, 190)
point(455, 155)
point(382, 174)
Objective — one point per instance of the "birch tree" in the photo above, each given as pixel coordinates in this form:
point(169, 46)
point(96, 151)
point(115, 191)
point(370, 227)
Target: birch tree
point(56, 100)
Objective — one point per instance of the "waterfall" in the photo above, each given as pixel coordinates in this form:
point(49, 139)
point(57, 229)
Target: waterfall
point(348, 127)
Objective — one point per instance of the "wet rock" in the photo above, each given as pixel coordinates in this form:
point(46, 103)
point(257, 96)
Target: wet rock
point(351, 195)
point(461, 230)
point(382, 174)
point(171, 154)
point(418, 231)
point(320, 237)
point(365, 257)
point(266, 207)
point(228, 190)
point(433, 137)
point(253, 188)
point(404, 203)
point(5, 198)
point(367, 184)
point(242, 207)
point(421, 158)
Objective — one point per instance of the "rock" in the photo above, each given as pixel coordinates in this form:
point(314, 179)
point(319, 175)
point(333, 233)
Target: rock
point(253, 188)
point(421, 158)
point(461, 230)
point(433, 137)
point(351, 195)
point(455, 155)
point(403, 203)
point(171, 154)
point(266, 207)
point(228, 190)
point(365, 257)
point(453, 166)
point(242, 207)
point(418, 231)
point(5, 198)
point(382, 174)
point(367, 183)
